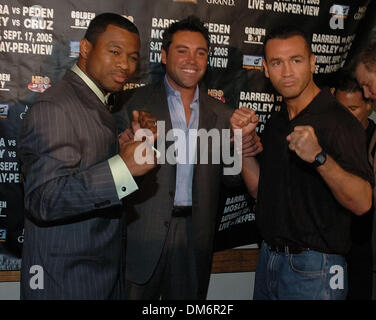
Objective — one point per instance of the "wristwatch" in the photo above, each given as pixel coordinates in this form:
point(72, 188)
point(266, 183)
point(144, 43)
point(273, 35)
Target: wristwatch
point(319, 159)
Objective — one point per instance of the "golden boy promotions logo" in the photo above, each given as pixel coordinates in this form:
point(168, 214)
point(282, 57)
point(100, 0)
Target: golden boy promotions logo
point(339, 13)
point(39, 84)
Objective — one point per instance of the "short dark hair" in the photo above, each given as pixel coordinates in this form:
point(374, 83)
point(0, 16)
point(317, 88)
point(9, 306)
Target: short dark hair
point(286, 32)
point(99, 25)
point(368, 57)
point(191, 23)
point(347, 82)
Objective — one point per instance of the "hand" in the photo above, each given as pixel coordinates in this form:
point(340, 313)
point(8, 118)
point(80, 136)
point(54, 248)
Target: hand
point(244, 118)
point(144, 120)
point(251, 145)
point(138, 156)
point(247, 120)
point(125, 136)
point(304, 143)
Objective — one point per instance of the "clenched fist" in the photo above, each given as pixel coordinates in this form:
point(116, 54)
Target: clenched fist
point(247, 120)
point(304, 143)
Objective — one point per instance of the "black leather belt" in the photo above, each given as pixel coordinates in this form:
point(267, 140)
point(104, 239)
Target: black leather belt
point(291, 249)
point(182, 211)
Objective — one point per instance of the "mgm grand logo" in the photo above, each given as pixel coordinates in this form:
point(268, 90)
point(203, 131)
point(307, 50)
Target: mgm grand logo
point(230, 3)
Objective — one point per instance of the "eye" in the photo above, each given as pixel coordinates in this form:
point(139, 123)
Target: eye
point(296, 61)
point(133, 58)
point(276, 63)
point(202, 53)
point(115, 52)
point(181, 51)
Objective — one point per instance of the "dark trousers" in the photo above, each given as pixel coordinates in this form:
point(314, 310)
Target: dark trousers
point(175, 275)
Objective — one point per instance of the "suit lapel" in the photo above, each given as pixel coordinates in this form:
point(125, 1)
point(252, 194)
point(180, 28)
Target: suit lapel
point(207, 121)
point(161, 111)
point(91, 101)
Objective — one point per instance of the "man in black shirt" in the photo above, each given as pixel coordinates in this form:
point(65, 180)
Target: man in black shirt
point(359, 258)
point(311, 177)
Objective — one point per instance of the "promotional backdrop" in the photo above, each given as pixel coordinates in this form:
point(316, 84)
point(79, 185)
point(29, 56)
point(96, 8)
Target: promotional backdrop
point(39, 40)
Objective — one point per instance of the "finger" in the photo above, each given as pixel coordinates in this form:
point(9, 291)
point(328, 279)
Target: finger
point(250, 127)
point(252, 151)
point(136, 115)
point(135, 124)
point(241, 118)
point(301, 129)
point(146, 118)
point(126, 135)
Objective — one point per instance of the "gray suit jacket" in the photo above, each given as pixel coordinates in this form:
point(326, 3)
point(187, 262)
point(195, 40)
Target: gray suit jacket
point(73, 226)
point(149, 211)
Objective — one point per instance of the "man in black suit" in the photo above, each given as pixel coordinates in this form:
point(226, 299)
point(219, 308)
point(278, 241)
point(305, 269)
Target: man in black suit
point(171, 223)
point(76, 173)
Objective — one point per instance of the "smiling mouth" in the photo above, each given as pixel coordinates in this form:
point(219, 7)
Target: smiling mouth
point(191, 71)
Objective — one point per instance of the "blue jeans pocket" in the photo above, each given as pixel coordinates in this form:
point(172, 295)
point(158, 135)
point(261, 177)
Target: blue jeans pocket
point(309, 263)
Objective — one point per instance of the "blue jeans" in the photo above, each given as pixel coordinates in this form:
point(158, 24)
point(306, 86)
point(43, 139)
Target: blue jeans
point(309, 275)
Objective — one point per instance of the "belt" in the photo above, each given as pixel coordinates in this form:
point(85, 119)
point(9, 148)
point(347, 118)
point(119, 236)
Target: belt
point(291, 249)
point(181, 211)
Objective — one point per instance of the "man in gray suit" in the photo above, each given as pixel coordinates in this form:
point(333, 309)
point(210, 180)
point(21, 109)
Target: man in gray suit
point(76, 174)
point(171, 223)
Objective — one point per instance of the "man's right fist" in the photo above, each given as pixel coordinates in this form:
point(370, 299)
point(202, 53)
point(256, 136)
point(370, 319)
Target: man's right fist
point(243, 117)
point(139, 156)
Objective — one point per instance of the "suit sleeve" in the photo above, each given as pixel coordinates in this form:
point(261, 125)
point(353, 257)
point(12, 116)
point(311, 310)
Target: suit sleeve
point(58, 185)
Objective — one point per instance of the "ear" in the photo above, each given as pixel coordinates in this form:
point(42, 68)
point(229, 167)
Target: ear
point(85, 48)
point(312, 60)
point(265, 68)
point(164, 56)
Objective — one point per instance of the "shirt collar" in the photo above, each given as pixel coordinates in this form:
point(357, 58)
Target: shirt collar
point(170, 91)
point(90, 83)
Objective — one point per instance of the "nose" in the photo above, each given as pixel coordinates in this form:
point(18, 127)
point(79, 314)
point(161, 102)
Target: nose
point(191, 57)
point(367, 92)
point(286, 69)
point(123, 62)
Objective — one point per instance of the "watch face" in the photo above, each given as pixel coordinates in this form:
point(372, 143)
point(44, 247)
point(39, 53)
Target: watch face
point(321, 158)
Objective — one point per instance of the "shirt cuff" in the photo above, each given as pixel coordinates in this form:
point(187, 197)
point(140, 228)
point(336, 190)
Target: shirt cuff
point(123, 179)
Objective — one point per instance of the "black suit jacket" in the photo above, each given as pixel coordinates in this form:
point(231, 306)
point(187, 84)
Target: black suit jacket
point(149, 211)
point(73, 228)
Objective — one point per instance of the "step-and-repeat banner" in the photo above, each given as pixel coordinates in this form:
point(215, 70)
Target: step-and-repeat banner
point(39, 40)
